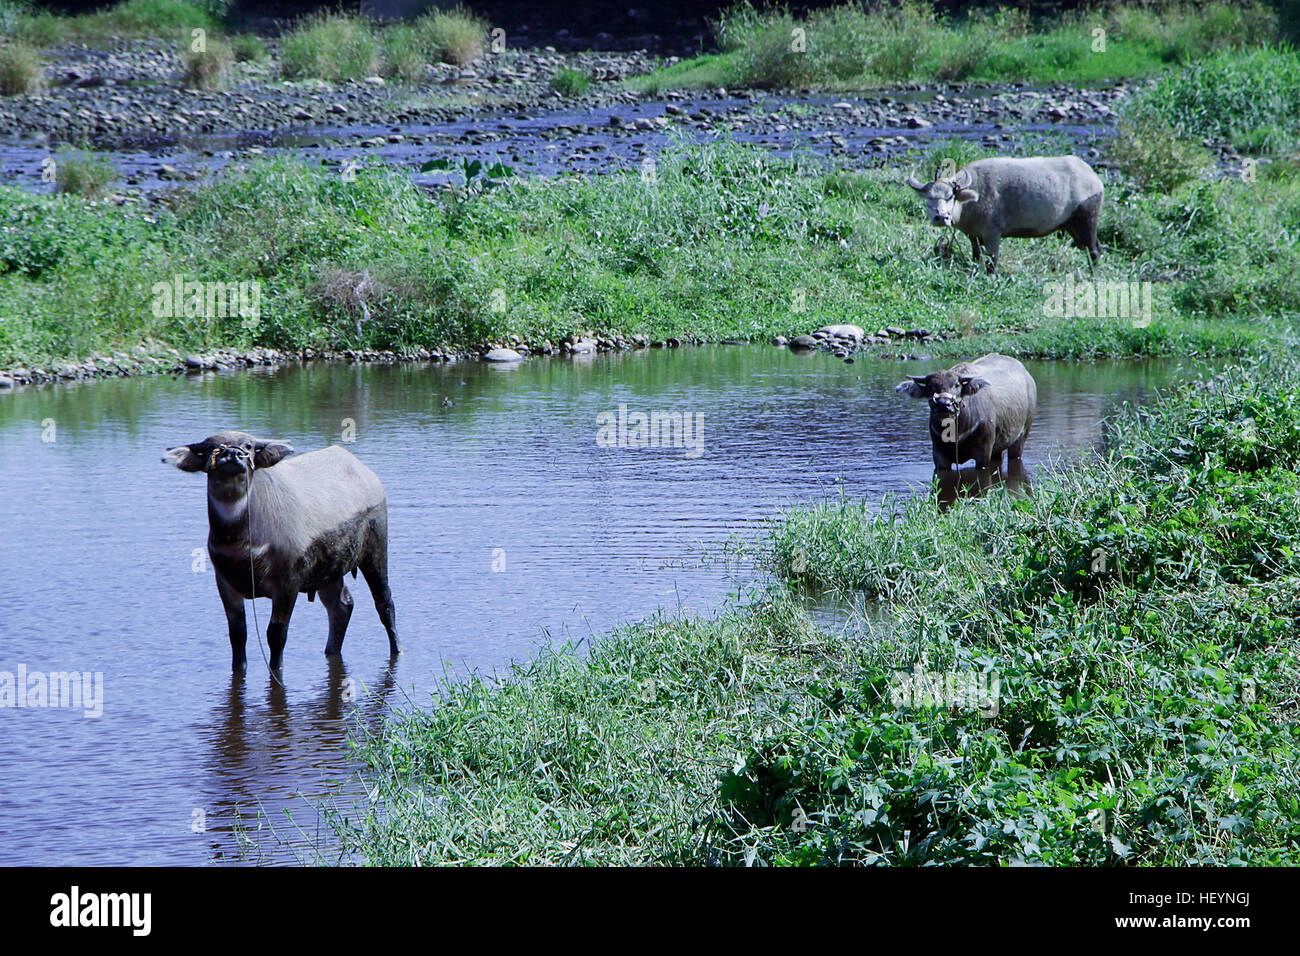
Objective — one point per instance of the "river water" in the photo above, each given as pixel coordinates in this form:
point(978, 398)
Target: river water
point(510, 525)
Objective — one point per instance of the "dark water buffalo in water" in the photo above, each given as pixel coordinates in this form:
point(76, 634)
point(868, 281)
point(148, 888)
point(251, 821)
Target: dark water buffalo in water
point(1034, 196)
point(301, 522)
point(978, 410)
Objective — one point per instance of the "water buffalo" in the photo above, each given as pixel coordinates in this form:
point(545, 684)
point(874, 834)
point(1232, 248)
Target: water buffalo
point(992, 198)
point(302, 522)
point(978, 410)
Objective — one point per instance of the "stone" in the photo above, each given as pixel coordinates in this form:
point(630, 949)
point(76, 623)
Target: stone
point(503, 355)
point(853, 332)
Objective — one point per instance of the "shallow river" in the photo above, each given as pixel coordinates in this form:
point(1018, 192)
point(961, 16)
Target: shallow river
point(510, 525)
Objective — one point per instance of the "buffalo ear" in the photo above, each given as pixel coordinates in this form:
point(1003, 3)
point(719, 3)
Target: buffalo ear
point(969, 386)
point(186, 457)
point(966, 195)
point(912, 387)
point(268, 453)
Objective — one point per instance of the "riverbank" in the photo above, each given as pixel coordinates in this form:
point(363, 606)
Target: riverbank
point(708, 244)
point(847, 47)
point(1128, 631)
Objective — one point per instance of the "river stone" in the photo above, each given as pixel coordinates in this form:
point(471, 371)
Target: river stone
point(853, 332)
point(503, 355)
point(583, 345)
point(6, 382)
point(803, 342)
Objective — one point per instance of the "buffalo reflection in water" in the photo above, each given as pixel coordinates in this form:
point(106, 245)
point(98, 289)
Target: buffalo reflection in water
point(975, 482)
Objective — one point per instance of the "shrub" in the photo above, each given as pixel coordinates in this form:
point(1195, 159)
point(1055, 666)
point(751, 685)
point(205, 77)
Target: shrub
point(405, 54)
point(452, 36)
point(1251, 99)
point(209, 68)
point(570, 82)
point(248, 48)
point(21, 70)
point(1148, 150)
point(331, 46)
point(82, 174)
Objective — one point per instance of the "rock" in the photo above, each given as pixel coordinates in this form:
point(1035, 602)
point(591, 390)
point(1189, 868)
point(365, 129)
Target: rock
point(853, 332)
point(194, 362)
point(503, 355)
point(780, 340)
point(894, 330)
point(915, 122)
point(803, 342)
point(582, 345)
point(6, 382)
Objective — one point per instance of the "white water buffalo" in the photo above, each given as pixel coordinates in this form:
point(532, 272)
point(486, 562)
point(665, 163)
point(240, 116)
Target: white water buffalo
point(301, 522)
point(978, 410)
point(992, 198)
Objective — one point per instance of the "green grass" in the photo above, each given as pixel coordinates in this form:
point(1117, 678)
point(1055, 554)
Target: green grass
point(21, 69)
point(132, 18)
point(209, 68)
point(570, 82)
point(1250, 99)
point(1145, 704)
point(849, 47)
point(82, 174)
point(331, 46)
point(452, 36)
point(716, 248)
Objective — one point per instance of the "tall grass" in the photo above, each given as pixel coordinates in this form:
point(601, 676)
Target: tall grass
point(331, 46)
point(853, 45)
point(131, 18)
point(712, 250)
point(1250, 99)
point(452, 36)
point(21, 69)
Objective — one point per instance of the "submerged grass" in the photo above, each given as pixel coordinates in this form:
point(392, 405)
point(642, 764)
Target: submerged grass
point(726, 242)
point(1132, 624)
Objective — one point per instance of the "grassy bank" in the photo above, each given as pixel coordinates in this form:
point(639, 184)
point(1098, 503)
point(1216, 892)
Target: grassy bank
point(724, 242)
point(1145, 705)
point(851, 47)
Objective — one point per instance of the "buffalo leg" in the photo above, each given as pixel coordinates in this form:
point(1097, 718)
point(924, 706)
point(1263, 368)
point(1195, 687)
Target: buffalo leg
point(1018, 446)
point(338, 605)
point(277, 632)
point(975, 250)
point(992, 243)
point(374, 567)
point(233, 602)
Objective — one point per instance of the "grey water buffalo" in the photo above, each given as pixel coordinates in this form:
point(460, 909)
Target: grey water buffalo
point(1036, 196)
point(280, 524)
point(978, 410)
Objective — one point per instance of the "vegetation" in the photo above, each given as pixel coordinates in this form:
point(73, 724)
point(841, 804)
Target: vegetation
point(331, 46)
point(21, 69)
point(131, 18)
point(1138, 612)
point(851, 46)
point(570, 82)
point(82, 174)
point(1250, 99)
point(723, 242)
point(208, 68)
point(452, 36)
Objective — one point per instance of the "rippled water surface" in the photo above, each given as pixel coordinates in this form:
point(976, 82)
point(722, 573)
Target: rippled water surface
point(509, 525)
